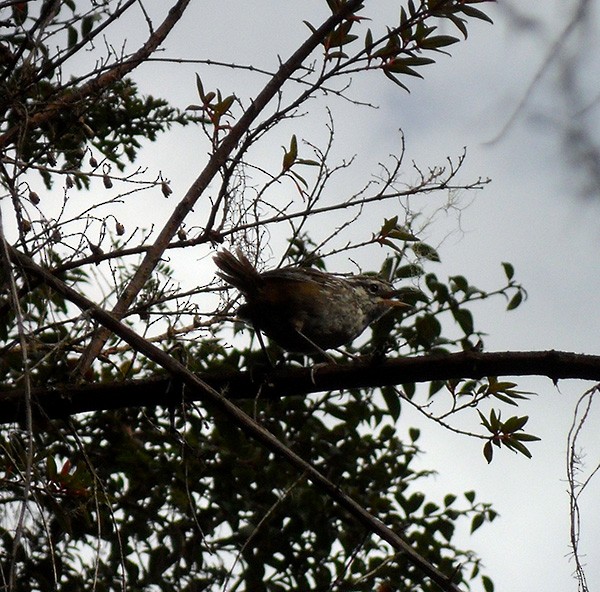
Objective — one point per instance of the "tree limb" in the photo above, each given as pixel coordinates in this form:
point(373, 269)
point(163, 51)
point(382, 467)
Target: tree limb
point(61, 400)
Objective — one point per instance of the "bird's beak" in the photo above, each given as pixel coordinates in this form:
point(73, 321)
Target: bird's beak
point(395, 303)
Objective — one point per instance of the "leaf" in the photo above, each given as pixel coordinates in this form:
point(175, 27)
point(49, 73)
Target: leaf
point(396, 81)
point(392, 402)
point(521, 436)
point(488, 585)
point(475, 13)
point(465, 319)
point(449, 499)
point(470, 495)
point(509, 270)
point(368, 41)
point(398, 66)
point(517, 447)
point(51, 468)
point(199, 87)
point(515, 301)
point(289, 156)
point(477, 521)
point(409, 271)
point(401, 233)
point(446, 529)
point(428, 329)
point(488, 451)
point(311, 27)
point(430, 508)
point(72, 36)
point(87, 24)
point(437, 42)
point(459, 283)
point(425, 251)
point(388, 225)
point(512, 424)
point(413, 503)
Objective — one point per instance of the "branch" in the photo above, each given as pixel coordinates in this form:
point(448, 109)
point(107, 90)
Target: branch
point(62, 400)
point(179, 372)
point(217, 160)
point(105, 80)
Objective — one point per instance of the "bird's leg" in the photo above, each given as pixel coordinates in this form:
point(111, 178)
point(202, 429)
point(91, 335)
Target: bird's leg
point(261, 342)
point(316, 347)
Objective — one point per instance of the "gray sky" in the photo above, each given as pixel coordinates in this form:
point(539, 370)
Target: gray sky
point(533, 215)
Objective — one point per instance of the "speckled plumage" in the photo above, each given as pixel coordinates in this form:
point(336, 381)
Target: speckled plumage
point(304, 309)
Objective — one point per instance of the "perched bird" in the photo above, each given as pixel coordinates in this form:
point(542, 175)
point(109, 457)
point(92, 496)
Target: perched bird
point(305, 310)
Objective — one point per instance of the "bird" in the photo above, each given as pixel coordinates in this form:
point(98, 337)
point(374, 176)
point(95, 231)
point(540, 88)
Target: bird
point(306, 310)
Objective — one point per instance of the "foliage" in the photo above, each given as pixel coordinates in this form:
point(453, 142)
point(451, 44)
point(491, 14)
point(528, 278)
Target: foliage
point(181, 499)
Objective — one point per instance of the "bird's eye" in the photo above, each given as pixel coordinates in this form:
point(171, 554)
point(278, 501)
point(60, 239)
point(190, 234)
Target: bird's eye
point(373, 288)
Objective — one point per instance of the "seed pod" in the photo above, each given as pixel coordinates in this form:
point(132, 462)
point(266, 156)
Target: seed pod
point(166, 190)
point(34, 198)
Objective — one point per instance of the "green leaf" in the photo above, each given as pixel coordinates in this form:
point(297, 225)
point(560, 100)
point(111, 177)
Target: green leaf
point(449, 499)
point(470, 495)
point(465, 319)
point(437, 42)
point(477, 521)
point(399, 66)
point(289, 156)
point(488, 585)
point(51, 467)
point(392, 402)
point(408, 271)
point(475, 13)
point(413, 503)
point(515, 301)
point(388, 225)
point(488, 451)
point(87, 23)
point(430, 508)
point(523, 437)
point(459, 283)
point(396, 81)
point(428, 329)
point(425, 251)
point(368, 41)
point(509, 270)
point(512, 424)
point(72, 36)
point(403, 234)
point(199, 87)
point(515, 445)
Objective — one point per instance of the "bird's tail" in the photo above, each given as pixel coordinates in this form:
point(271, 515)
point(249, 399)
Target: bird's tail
point(237, 271)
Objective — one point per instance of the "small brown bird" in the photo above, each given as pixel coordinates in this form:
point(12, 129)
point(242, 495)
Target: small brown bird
point(305, 310)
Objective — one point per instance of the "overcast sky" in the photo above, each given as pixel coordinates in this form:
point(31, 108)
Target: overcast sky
point(540, 213)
